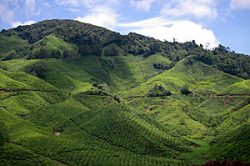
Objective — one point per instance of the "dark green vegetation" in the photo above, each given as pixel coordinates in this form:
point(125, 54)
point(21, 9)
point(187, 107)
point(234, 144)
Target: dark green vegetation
point(3, 134)
point(77, 94)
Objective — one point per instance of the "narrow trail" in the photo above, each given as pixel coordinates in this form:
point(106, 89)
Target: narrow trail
point(6, 93)
point(208, 95)
point(6, 90)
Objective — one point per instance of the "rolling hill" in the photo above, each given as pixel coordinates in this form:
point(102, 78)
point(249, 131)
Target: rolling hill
point(73, 93)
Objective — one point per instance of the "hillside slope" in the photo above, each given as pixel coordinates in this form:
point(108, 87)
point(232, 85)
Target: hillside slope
point(76, 94)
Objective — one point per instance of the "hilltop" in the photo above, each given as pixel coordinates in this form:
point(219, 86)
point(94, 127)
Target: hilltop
point(73, 93)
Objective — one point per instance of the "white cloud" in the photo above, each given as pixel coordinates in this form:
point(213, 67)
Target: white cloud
point(101, 16)
point(10, 9)
point(181, 30)
point(30, 6)
point(142, 4)
point(152, 22)
point(240, 4)
point(5, 14)
point(18, 23)
point(100, 12)
point(157, 27)
point(196, 8)
point(86, 3)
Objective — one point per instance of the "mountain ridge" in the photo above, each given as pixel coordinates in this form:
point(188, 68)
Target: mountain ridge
point(96, 40)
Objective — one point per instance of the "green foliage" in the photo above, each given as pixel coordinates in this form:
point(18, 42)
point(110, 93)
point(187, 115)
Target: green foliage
point(48, 47)
point(101, 90)
point(71, 37)
point(3, 67)
point(158, 91)
point(160, 66)
point(77, 94)
point(4, 136)
point(113, 50)
point(38, 69)
point(18, 155)
point(185, 90)
point(233, 145)
point(52, 47)
point(10, 43)
point(68, 110)
point(228, 62)
point(88, 49)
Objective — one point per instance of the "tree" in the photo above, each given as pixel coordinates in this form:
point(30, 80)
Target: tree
point(85, 50)
point(221, 49)
point(113, 50)
point(90, 49)
point(56, 54)
point(158, 91)
point(39, 69)
point(185, 90)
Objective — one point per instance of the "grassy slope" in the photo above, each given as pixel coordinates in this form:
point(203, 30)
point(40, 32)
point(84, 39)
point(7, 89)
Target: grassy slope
point(233, 144)
point(31, 125)
point(132, 70)
point(51, 43)
point(97, 129)
point(199, 77)
point(8, 44)
point(242, 87)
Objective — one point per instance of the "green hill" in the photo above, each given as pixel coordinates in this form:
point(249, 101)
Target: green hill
point(76, 94)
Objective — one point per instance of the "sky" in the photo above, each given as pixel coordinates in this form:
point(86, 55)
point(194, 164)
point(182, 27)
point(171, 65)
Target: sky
point(208, 22)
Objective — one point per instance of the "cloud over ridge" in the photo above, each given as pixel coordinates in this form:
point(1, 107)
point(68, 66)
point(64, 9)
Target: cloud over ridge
point(182, 30)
